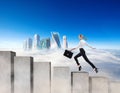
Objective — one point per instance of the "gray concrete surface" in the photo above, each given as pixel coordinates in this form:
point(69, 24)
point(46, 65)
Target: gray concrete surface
point(23, 81)
point(80, 82)
point(61, 80)
point(42, 77)
point(99, 84)
point(6, 71)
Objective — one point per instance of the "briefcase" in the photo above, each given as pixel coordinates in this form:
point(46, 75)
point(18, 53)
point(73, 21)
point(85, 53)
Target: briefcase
point(68, 54)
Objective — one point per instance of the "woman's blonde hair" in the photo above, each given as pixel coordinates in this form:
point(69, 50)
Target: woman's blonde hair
point(83, 37)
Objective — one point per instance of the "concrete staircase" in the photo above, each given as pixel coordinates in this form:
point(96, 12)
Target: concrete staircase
point(23, 75)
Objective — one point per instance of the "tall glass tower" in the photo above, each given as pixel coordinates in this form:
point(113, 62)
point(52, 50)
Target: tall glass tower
point(56, 39)
point(29, 44)
point(25, 45)
point(45, 43)
point(65, 43)
point(36, 44)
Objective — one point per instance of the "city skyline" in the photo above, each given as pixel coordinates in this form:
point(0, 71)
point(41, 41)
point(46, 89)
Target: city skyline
point(45, 43)
point(97, 20)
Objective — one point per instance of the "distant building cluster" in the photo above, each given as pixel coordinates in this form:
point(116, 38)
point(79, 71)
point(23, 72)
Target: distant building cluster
point(46, 43)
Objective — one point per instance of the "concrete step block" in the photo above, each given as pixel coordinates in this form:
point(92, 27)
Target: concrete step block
point(114, 87)
point(99, 84)
point(7, 71)
point(42, 77)
point(80, 82)
point(61, 80)
point(23, 81)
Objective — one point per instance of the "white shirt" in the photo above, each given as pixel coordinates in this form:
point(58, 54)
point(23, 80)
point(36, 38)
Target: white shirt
point(83, 43)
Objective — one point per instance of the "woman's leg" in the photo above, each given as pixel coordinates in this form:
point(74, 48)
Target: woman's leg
point(79, 66)
point(78, 55)
point(86, 58)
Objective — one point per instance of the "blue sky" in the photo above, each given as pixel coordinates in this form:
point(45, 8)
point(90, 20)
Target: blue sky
point(98, 20)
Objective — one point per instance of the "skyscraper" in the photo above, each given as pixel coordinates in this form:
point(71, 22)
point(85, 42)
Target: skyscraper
point(36, 44)
point(29, 44)
point(56, 39)
point(65, 43)
point(25, 45)
point(45, 43)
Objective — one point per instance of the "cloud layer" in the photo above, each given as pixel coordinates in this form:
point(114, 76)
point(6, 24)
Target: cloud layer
point(108, 64)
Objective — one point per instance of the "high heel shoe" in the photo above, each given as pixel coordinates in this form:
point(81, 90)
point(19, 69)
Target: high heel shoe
point(79, 68)
point(96, 70)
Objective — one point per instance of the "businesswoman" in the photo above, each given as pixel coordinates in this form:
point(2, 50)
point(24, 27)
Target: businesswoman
point(82, 53)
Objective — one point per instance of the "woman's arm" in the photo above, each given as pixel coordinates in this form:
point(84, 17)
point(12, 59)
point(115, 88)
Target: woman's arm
point(75, 48)
point(72, 49)
point(89, 46)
